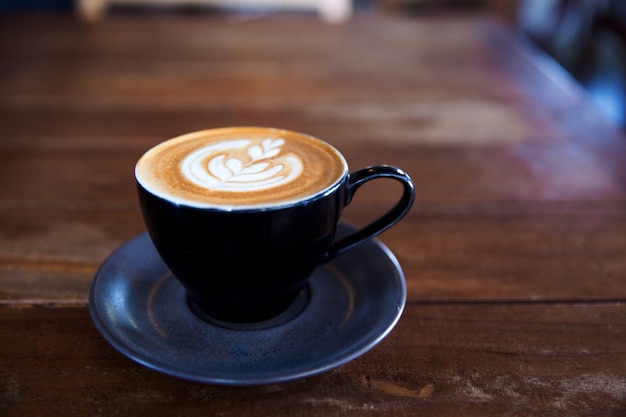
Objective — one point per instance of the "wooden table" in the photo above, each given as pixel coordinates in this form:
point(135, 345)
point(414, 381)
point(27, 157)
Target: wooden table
point(514, 253)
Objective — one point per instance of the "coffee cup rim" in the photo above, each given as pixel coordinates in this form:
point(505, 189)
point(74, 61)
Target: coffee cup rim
point(264, 206)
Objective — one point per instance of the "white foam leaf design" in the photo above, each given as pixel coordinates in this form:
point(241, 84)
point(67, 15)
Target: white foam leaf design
point(255, 152)
point(271, 153)
point(257, 176)
point(255, 168)
point(234, 165)
point(217, 168)
point(235, 174)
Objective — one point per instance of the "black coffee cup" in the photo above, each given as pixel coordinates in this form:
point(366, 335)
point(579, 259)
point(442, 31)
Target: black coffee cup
point(248, 263)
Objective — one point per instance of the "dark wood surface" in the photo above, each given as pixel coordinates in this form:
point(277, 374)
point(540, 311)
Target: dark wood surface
point(513, 253)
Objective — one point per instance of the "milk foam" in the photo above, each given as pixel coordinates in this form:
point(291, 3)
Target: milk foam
point(264, 167)
point(240, 168)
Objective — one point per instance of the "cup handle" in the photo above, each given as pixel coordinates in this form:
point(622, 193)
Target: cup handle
point(383, 223)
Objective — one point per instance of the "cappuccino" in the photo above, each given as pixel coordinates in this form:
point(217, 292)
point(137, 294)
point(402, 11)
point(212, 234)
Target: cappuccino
point(240, 168)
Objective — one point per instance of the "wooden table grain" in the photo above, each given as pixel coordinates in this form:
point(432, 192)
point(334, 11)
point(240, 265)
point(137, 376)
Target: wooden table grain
point(513, 253)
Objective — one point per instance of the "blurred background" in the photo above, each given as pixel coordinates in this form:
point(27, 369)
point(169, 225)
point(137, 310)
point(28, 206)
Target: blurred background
point(586, 37)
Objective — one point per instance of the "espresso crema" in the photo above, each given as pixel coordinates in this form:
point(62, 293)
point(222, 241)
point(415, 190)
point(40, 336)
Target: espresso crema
point(240, 167)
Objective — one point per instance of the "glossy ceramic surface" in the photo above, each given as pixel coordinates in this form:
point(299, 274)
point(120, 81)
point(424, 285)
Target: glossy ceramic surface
point(349, 305)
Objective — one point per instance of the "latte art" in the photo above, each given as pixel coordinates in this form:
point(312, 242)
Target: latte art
point(261, 168)
point(240, 168)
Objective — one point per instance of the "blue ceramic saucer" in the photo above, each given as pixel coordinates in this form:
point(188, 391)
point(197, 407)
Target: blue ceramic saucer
point(349, 306)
